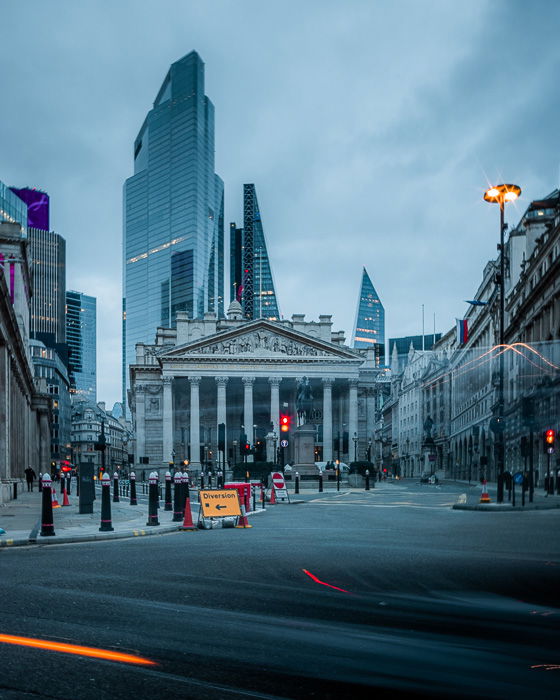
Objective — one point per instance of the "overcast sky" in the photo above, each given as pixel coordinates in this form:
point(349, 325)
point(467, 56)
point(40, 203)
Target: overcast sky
point(370, 130)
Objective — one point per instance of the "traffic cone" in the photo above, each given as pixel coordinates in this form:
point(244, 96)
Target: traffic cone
point(187, 520)
point(55, 503)
point(65, 501)
point(272, 496)
point(484, 497)
point(243, 522)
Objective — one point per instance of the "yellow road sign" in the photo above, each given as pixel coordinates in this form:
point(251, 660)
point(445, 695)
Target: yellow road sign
point(218, 503)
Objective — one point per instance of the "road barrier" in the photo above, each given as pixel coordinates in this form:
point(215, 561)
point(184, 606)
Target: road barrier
point(47, 523)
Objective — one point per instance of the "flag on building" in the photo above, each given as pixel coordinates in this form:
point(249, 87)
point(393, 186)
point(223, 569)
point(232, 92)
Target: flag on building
point(462, 331)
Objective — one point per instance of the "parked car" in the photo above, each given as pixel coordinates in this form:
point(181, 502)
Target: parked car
point(331, 466)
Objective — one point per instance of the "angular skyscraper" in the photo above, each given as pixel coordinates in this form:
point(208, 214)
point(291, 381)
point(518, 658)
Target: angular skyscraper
point(369, 328)
point(173, 213)
point(81, 336)
point(251, 279)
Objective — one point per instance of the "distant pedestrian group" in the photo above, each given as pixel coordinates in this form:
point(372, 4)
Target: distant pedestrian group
point(30, 476)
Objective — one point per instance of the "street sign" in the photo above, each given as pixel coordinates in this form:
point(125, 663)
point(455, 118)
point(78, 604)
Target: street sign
point(279, 485)
point(219, 503)
point(518, 477)
point(283, 443)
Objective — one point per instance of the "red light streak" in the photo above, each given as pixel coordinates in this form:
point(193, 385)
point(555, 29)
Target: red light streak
point(314, 578)
point(76, 649)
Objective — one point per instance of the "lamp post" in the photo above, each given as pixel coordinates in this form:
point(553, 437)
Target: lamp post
point(500, 194)
point(355, 439)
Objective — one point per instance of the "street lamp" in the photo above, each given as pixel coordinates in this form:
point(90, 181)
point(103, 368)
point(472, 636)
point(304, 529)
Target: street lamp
point(500, 194)
point(355, 439)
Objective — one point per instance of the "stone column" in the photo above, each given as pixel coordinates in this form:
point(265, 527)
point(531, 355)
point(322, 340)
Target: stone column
point(167, 421)
point(221, 415)
point(352, 416)
point(248, 410)
point(139, 398)
point(195, 422)
point(327, 419)
point(275, 403)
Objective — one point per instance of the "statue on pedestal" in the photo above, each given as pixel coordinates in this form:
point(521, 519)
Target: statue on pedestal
point(304, 401)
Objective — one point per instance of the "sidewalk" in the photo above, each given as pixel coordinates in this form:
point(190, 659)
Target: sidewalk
point(470, 500)
point(21, 519)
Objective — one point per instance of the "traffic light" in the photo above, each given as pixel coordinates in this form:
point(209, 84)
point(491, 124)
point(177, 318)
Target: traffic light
point(548, 440)
point(245, 448)
point(285, 421)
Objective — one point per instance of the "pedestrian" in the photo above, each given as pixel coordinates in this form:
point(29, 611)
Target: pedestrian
point(30, 476)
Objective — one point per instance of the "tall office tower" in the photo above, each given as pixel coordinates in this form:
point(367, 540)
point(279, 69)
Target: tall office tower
point(252, 284)
point(173, 213)
point(81, 337)
point(369, 329)
point(48, 270)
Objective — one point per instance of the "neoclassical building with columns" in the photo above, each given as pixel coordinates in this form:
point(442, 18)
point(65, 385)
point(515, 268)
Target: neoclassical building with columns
point(244, 374)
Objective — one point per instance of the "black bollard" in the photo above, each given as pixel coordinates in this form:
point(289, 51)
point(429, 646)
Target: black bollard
point(367, 479)
point(106, 523)
point(338, 478)
point(133, 499)
point(40, 481)
point(320, 482)
point(116, 488)
point(47, 523)
point(168, 502)
point(69, 484)
point(297, 483)
point(201, 480)
point(177, 497)
point(153, 500)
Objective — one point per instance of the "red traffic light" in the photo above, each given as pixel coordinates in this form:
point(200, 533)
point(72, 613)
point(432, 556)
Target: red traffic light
point(549, 436)
point(285, 423)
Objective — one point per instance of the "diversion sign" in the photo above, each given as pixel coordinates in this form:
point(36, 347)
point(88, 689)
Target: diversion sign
point(219, 503)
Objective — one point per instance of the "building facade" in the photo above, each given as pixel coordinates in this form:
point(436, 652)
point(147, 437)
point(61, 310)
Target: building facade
point(12, 209)
point(81, 336)
point(245, 374)
point(24, 404)
point(369, 326)
point(252, 284)
point(173, 213)
point(89, 420)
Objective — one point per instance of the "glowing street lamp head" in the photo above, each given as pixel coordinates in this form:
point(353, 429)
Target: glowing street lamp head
point(498, 194)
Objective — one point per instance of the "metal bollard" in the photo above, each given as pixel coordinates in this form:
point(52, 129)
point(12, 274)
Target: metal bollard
point(338, 478)
point(133, 499)
point(202, 480)
point(47, 522)
point(320, 482)
point(69, 484)
point(116, 488)
point(168, 503)
point(153, 500)
point(106, 523)
point(40, 482)
point(177, 497)
point(297, 483)
point(367, 479)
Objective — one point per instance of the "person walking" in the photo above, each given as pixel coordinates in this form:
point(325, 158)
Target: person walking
point(30, 476)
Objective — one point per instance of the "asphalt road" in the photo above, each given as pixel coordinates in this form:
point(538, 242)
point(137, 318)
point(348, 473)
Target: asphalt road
point(422, 599)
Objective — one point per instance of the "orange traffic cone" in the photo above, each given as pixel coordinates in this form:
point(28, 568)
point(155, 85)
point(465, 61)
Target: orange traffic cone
point(272, 496)
point(54, 500)
point(65, 501)
point(243, 521)
point(187, 520)
point(484, 497)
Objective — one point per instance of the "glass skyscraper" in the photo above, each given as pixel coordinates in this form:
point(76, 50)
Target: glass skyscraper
point(173, 213)
point(81, 336)
point(369, 328)
point(251, 279)
point(12, 208)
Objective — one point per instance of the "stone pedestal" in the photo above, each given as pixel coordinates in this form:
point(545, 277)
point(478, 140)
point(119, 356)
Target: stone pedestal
point(304, 450)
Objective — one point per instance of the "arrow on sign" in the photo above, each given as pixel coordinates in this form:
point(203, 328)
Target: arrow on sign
point(220, 507)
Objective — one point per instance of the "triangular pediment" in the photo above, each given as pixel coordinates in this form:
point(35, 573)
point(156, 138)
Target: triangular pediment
point(260, 339)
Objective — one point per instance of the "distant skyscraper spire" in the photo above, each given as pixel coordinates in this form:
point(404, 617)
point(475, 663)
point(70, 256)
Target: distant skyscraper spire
point(252, 284)
point(369, 328)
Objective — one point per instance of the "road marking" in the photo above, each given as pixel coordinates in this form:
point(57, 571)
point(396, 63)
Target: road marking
point(323, 583)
